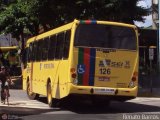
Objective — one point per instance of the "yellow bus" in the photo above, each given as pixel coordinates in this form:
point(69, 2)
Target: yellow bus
point(9, 58)
point(96, 59)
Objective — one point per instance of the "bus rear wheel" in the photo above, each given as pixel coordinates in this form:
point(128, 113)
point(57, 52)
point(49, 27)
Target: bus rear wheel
point(31, 95)
point(52, 102)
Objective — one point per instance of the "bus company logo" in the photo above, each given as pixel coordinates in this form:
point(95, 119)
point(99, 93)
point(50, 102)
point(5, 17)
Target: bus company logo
point(104, 63)
point(48, 66)
point(81, 68)
point(114, 64)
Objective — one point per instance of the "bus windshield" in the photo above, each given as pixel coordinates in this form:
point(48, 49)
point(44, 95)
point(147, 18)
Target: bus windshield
point(105, 36)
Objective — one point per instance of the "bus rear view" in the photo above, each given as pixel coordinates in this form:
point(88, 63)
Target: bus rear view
point(105, 60)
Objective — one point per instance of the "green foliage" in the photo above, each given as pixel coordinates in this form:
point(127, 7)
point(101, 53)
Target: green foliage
point(64, 11)
point(19, 16)
point(28, 15)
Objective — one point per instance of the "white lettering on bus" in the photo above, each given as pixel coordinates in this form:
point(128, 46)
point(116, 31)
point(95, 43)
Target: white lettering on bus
point(48, 66)
point(115, 64)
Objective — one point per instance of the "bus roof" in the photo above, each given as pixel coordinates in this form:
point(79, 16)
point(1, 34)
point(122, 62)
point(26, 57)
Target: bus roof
point(53, 31)
point(69, 25)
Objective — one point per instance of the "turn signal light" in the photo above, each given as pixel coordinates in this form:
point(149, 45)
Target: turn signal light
point(73, 70)
point(74, 75)
point(134, 79)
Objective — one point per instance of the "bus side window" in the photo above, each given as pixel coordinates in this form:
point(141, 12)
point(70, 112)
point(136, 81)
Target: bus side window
point(37, 53)
point(25, 59)
point(34, 51)
point(52, 47)
point(66, 44)
point(30, 52)
point(27, 54)
point(39, 50)
point(59, 46)
point(45, 48)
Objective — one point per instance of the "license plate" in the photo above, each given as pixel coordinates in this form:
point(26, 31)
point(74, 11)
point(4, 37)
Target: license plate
point(104, 91)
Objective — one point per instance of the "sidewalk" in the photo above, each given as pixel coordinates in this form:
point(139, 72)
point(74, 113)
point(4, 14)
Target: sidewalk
point(147, 92)
point(149, 86)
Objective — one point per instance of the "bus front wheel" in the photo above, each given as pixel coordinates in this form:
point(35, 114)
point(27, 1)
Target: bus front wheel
point(52, 102)
point(31, 95)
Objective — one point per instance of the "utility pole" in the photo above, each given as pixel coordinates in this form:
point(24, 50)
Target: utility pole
point(155, 14)
point(158, 37)
point(155, 25)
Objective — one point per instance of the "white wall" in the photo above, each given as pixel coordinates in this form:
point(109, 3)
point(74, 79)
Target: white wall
point(7, 40)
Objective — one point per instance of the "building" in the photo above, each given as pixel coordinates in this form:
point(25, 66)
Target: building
point(149, 38)
point(7, 40)
point(155, 25)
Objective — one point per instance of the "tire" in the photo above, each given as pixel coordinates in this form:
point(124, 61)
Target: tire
point(52, 102)
point(31, 95)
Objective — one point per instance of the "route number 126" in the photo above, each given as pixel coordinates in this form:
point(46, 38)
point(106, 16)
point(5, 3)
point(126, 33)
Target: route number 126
point(105, 71)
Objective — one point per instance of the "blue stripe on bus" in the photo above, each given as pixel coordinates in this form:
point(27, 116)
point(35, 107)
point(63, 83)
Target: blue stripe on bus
point(93, 22)
point(80, 62)
point(92, 66)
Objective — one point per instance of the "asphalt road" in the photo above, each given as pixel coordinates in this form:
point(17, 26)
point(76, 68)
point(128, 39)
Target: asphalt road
point(21, 108)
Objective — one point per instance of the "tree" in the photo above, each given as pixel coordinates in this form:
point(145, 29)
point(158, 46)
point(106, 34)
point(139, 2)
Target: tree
point(29, 14)
point(19, 16)
point(125, 11)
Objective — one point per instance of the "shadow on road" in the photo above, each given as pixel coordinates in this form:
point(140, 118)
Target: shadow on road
point(22, 111)
point(115, 107)
point(86, 107)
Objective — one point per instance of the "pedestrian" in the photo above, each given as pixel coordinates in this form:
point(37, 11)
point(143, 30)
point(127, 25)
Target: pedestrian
point(5, 81)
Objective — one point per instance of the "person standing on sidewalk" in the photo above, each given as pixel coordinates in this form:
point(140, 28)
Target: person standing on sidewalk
point(5, 78)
